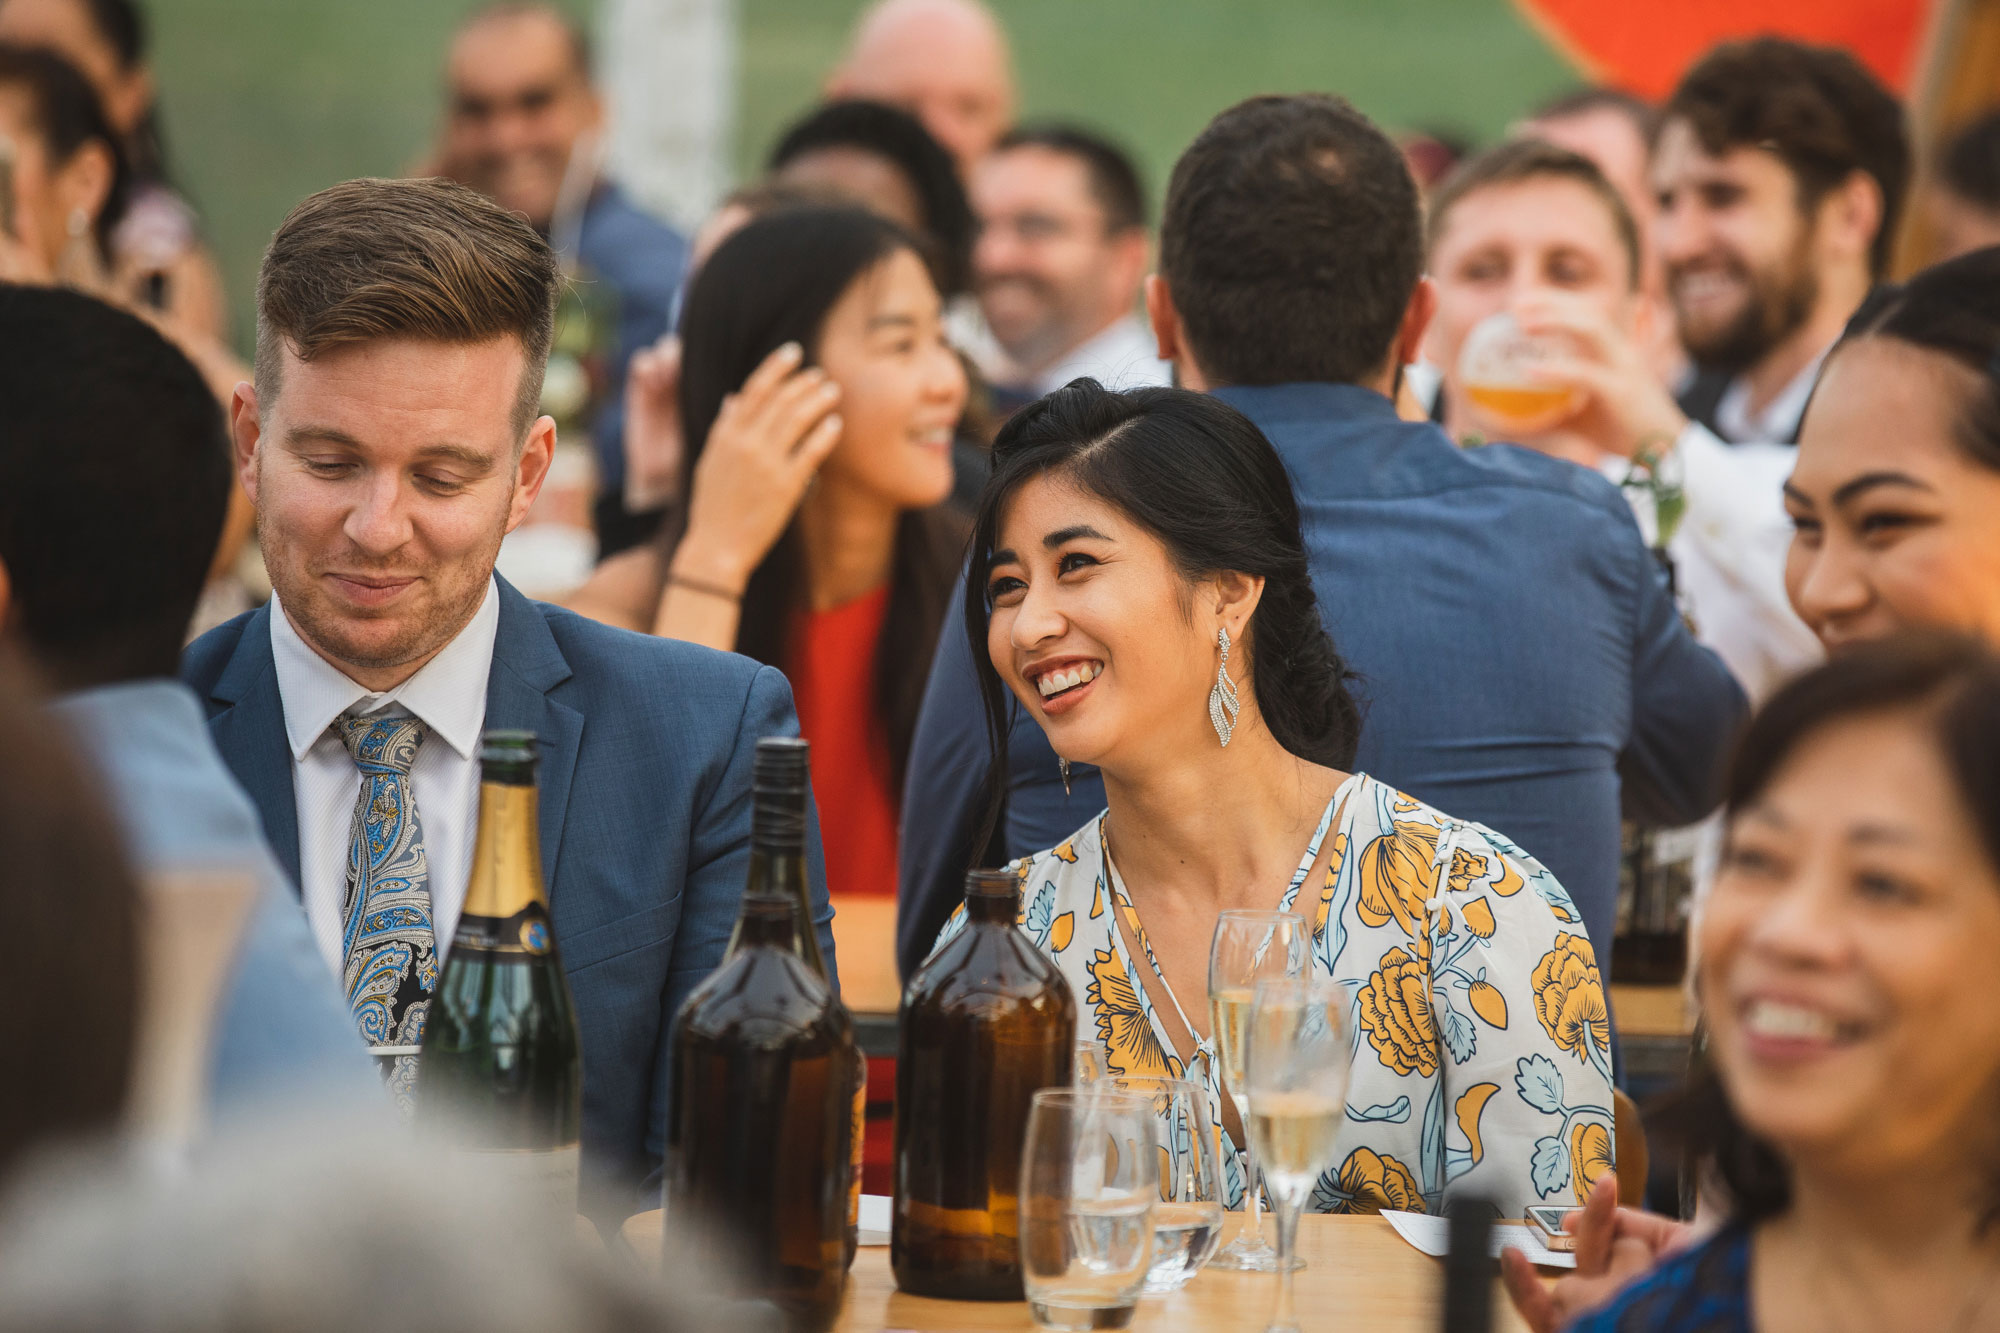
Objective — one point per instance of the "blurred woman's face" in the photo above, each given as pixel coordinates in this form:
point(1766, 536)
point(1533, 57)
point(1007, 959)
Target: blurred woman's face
point(1847, 971)
point(1894, 523)
point(902, 387)
point(67, 28)
point(1096, 632)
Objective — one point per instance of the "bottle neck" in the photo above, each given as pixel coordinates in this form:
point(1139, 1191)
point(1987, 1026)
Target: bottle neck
point(507, 859)
point(766, 921)
point(995, 908)
point(778, 868)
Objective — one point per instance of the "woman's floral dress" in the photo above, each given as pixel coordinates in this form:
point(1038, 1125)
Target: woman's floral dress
point(1483, 1059)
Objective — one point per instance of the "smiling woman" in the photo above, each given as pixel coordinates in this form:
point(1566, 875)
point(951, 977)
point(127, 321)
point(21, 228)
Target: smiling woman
point(1898, 477)
point(1138, 585)
point(1853, 1011)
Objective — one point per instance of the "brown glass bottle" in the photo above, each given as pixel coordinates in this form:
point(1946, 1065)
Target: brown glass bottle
point(986, 1022)
point(759, 1151)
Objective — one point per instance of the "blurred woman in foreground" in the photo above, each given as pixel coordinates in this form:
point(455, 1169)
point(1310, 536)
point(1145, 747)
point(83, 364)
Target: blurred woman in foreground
point(1138, 583)
point(1853, 1010)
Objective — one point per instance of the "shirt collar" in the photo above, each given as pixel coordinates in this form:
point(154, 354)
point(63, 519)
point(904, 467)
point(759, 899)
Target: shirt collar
point(448, 693)
point(1780, 418)
point(1113, 349)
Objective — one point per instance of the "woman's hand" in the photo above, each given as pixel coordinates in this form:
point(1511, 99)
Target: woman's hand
point(654, 444)
point(765, 447)
point(1615, 1247)
point(1626, 409)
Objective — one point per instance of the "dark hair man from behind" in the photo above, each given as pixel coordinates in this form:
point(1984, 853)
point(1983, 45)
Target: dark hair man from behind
point(1962, 200)
point(1291, 244)
point(105, 543)
point(1062, 253)
point(1780, 170)
point(114, 478)
point(1520, 662)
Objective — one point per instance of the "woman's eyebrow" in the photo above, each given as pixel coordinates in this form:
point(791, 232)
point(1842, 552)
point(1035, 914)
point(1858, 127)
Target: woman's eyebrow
point(1061, 535)
point(1868, 481)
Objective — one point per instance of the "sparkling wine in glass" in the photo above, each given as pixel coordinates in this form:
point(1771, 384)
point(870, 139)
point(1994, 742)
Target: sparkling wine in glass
point(1248, 947)
point(1297, 1058)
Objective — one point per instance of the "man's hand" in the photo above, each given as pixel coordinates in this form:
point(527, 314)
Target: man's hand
point(1614, 1248)
point(1626, 407)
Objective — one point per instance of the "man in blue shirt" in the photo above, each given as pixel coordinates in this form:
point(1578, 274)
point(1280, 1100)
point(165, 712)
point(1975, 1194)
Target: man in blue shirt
point(523, 125)
point(1521, 660)
point(114, 475)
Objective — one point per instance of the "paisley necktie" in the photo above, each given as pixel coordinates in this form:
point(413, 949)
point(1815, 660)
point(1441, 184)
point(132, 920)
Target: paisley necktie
point(387, 940)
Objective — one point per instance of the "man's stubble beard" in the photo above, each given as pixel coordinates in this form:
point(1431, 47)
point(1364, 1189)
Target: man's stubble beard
point(421, 637)
point(1782, 298)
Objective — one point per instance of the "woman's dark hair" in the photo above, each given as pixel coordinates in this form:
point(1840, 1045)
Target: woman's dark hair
point(1953, 683)
point(1951, 308)
point(69, 897)
point(66, 111)
point(122, 25)
point(1202, 479)
point(771, 283)
point(900, 139)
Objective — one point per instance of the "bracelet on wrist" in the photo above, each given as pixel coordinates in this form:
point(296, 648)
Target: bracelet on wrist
point(703, 586)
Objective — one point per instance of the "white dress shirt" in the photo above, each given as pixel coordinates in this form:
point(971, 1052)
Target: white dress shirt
point(449, 695)
point(1119, 357)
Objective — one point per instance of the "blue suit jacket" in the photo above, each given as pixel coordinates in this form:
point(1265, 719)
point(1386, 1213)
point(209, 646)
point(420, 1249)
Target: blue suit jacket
point(647, 747)
point(1522, 663)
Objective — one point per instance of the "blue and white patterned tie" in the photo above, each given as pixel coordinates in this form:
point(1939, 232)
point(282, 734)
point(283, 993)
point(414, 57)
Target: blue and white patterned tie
point(387, 939)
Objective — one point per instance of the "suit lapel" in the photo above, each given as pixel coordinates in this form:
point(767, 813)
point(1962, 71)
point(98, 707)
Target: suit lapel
point(527, 665)
point(250, 732)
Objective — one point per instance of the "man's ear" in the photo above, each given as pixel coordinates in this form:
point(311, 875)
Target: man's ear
point(1130, 252)
point(245, 433)
point(1169, 336)
point(532, 470)
point(1417, 315)
point(1851, 215)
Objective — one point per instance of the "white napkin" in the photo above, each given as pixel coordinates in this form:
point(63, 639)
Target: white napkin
point(1432, 1235)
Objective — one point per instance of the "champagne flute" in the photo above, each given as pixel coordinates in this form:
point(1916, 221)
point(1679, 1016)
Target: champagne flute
point(1249, 947)
point(1297, 1058)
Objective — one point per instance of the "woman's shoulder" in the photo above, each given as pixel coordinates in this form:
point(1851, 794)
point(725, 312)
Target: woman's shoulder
point(1472, 853)
point(1705, 1289)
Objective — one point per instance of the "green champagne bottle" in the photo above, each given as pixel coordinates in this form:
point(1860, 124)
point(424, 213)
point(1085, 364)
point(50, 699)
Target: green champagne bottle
point(500, 1072)
point(759, 1135)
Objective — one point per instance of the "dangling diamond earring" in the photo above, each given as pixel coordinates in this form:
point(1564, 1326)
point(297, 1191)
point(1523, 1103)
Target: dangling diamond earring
point(1222, 701)
point(1063, 764)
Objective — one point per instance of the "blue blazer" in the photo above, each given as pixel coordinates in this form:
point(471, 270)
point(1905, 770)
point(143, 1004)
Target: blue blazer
point(647, 747)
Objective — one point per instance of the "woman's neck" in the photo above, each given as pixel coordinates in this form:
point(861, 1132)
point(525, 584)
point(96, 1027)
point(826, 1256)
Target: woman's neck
point(849, 537)
point(1218, 825)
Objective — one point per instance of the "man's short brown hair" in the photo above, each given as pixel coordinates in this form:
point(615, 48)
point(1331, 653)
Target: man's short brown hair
point(1815, 107)
point(1521, 160)
point(424, 259)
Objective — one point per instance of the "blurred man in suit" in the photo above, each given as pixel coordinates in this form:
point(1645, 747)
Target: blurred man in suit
point(390, 441)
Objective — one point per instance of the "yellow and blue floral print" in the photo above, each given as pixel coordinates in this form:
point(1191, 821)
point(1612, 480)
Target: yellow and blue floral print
point(1483, 1056)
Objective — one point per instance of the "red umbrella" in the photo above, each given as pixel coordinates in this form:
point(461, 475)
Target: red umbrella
point(1647, 47)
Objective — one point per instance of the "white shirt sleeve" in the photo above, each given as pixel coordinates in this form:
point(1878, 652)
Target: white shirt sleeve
point(1729, 552)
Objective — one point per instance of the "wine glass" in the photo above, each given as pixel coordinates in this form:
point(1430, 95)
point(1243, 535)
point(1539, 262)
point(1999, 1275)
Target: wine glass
point(1297, 1058)
point(1187, 1220)
point(1249, 947)
point(1089, 1185)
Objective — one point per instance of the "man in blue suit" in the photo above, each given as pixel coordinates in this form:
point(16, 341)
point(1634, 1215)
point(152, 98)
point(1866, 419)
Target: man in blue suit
point(1521, 660)
point(390, 441)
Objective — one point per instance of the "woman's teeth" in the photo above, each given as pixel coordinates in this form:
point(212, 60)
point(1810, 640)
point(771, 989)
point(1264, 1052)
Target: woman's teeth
point(1789, 1022)
point(1055, 682)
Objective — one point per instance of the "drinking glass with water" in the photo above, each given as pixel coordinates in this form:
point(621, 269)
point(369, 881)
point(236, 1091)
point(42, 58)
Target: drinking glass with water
point(1187, 1220)
point(1089, 1187)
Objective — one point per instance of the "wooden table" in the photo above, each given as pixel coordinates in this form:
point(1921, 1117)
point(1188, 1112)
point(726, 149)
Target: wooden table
point(1359, 1274)
point(864, 953)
